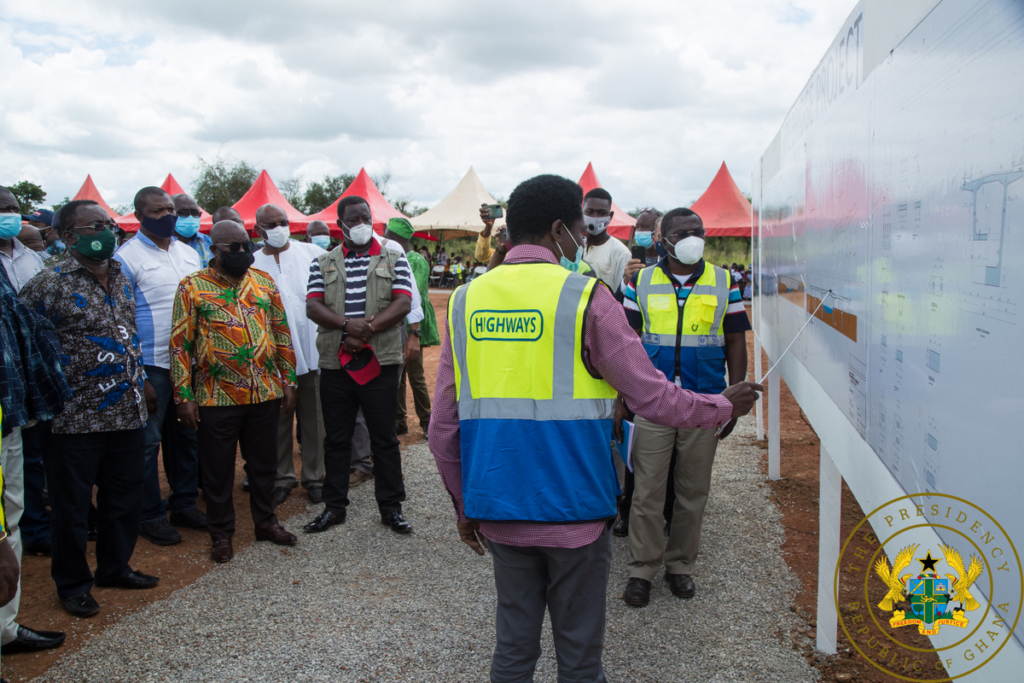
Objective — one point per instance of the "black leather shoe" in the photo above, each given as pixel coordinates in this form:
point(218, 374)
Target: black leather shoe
point(44, 548)
point(621, 528)
point(401, 429)
point(159, 532)
point(190, 519)
point(245, 484)
point(29, 640)
point(280, 495)
point(637, 593)
point(316, 494)
point(325, 521)
point(681, 585)
point(397, 522)
point(132, 580)
point(81, 605)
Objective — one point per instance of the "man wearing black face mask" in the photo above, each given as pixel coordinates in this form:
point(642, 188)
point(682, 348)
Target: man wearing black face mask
point(155, 263)
point(232, 363)
point(99, 438)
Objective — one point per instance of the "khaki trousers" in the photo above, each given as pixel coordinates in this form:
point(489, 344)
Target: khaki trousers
point(420, 394)
point(311, 422)
point(652, 453)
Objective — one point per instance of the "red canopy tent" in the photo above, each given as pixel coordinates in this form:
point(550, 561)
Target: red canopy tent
point(622, 223)
point(89, 191)
point(264, 191)
point(362, 186)
point(171, 187)
point(723, 208)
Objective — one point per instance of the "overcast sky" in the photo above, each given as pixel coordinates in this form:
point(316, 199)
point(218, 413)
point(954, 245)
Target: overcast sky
point(656, 94)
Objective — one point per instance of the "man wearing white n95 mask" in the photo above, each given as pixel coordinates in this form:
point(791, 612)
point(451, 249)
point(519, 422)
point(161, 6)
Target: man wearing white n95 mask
point(606, 255)
point(358, 294)
point(287, 262)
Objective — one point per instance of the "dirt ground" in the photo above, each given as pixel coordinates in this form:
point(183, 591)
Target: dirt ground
point(796, 494)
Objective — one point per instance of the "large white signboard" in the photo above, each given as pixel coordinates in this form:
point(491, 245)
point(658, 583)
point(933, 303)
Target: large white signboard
point(893, 195)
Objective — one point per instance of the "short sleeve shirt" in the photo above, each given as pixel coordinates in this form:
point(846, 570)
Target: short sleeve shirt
point(101, 350)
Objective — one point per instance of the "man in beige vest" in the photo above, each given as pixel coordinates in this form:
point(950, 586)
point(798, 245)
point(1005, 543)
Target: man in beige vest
point(358, 294)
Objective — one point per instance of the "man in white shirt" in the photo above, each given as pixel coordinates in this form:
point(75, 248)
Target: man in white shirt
point(20, 262)
point(287, 262)
point(155, 262)
point(605, 254)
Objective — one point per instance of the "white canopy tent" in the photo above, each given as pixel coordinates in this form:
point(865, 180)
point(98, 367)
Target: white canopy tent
point(458, 214)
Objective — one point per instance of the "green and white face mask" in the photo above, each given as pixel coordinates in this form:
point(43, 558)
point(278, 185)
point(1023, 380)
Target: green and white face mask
point(98, 246)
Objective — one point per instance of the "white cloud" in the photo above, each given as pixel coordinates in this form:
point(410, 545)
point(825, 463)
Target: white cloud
point(655, 93)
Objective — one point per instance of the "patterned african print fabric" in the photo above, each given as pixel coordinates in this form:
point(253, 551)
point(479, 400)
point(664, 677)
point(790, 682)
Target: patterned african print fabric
point(32, 384)
point(229, 345)
point(101, 352)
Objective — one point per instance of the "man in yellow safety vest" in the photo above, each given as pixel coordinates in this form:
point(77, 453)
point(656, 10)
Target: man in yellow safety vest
point(534, 356)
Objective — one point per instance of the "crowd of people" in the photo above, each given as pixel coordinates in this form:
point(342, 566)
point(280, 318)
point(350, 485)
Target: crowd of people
point(174, 348)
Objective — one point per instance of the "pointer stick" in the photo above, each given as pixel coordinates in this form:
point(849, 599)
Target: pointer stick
point(809, 318)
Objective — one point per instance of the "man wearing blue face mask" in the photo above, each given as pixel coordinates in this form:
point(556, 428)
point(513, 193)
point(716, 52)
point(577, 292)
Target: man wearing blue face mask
point(187, 227)
point(319, 234)
point(605, 254)
point(154, 263)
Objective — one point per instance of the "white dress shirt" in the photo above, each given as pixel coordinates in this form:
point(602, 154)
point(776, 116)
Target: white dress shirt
point(154, 275)
point(290, 272)
point(21, 265)
point(416, 312)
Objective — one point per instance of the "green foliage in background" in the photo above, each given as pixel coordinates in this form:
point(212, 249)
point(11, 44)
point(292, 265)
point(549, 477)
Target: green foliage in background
point(29, 195)
point(222, 182)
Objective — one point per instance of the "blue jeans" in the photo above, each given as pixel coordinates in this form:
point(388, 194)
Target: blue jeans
point(181, 459)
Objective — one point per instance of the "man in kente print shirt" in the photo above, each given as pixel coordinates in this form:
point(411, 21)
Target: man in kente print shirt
point(232, 365)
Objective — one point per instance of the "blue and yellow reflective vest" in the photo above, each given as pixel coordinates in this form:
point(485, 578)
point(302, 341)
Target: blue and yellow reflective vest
point(535, 423)
point(684, 337)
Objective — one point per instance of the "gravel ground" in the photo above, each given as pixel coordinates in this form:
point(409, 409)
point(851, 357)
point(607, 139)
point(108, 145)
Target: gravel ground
point(359, 603)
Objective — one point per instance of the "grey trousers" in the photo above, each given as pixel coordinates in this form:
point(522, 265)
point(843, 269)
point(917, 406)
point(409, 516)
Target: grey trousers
point(652, 453)
point(361, 456)
point(572, 584)
point(311, 422)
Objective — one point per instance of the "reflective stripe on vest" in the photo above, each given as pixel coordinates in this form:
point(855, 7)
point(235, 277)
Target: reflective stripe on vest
point(535, 424)
point(660, 322)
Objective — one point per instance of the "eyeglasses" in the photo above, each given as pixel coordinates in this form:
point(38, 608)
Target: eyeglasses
point(274, 224)
point(677, 235)
point(98, 226)
point(247, 246)
point(184, 213)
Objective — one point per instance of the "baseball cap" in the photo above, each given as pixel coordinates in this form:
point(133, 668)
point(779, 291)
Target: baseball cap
point(362, 366)
point(39, 216)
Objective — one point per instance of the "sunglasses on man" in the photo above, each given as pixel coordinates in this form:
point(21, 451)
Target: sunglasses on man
point(246, 246)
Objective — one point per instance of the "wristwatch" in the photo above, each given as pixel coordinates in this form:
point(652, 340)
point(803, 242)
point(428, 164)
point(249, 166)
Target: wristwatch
point(415, 333)
point(344, 324)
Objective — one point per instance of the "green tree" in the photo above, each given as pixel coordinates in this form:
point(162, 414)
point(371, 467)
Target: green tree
point(321, 193)
point(222, 182)
point(28, 194)
point(292, 191)
point(407, 207)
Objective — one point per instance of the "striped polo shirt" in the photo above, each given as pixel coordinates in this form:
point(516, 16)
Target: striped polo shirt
point(356, 265)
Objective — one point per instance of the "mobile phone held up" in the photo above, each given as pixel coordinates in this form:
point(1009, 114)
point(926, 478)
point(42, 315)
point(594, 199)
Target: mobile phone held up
point(495, 211)
point(638, 253)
